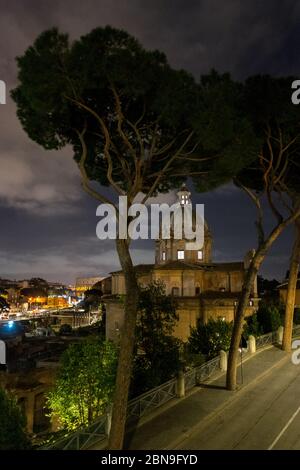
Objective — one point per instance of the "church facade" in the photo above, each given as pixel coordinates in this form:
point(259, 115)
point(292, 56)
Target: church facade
point(203, 288)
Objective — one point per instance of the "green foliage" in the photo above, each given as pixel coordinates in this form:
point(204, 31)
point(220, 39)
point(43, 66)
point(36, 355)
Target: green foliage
point(39, 283)
point(252, 327)
point(157, 365)
point(268, 289)
point(225, 131)
point(157, 356)
point(132, 104)
point(157, 311)
point(275, 121)
point(12, 428)
point(84, 384)
point(59, 77)
point(269, 317)
point(209, 338)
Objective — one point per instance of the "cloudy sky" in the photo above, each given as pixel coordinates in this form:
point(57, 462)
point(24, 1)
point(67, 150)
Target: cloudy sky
point(47, 222)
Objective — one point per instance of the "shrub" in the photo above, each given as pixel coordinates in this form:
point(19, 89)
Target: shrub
point(252, 327)
point(209, 338)
point(268, 316)
point(85, 382)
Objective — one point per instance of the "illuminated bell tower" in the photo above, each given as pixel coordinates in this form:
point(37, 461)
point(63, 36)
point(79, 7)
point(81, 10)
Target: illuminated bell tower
point(170, 250)
point(184, 196)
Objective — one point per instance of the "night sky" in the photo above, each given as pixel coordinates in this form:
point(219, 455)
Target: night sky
point(47, 222)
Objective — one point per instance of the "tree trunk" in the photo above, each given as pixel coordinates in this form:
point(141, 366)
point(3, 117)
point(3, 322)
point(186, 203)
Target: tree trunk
point(119, 411)
point(239, 319)
point(244, 300)
point(291, 291)
point(245, 295)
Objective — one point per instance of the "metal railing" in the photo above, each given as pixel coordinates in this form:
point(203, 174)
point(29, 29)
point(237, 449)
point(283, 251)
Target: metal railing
point(206, 370)
point(144, 404)
point(149, 401)
point(265, 340)
point(190, 379)
point(81, 439)
point(296, 330)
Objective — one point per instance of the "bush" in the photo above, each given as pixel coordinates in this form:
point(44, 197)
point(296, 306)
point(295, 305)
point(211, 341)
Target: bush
point(252, 327)
point(85, 383)
point(156, 350)
point(209, 338)
point(159, 366)
point(269, 317)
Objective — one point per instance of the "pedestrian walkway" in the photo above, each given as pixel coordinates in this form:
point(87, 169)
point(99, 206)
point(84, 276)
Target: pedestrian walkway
point(168, 428)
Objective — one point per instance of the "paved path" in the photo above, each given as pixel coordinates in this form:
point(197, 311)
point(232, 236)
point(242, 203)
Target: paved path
point(264, 413)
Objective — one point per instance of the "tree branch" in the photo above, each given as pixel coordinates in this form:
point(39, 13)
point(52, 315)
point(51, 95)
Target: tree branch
point(259, 221)
point(107, 144)
point(164, 169)
point(85, 180)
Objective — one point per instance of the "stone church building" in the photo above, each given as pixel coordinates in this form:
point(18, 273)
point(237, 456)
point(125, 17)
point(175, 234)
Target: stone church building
point(203, 288)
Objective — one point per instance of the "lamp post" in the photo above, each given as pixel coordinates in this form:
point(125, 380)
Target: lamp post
point(243, 343)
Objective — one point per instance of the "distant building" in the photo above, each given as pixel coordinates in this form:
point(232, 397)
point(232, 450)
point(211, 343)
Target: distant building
point(13, 295)
point(204, 289)
point(34, 297)
point(29, 375)
point(104, 285)
point(8, 283)
point(23, 284)
point(57, 301)
point(85, 283)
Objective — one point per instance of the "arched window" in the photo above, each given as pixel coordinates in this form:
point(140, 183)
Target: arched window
point(197, 290)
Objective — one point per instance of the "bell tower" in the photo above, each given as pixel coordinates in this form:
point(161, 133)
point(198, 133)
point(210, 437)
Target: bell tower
point(184, 196)
point(170, 250)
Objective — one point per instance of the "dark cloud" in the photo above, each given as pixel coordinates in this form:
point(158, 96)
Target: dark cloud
point(47, 223)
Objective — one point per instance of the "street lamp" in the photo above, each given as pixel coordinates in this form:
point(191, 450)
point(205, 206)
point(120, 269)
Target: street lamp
point(243, 344)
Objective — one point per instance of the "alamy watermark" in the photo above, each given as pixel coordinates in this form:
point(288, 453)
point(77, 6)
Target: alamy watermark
point(156, 221)
point(296, 354)
point(296, 94)
point(2, 92)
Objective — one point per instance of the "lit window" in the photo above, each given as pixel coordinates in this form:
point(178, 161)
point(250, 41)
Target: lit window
point(180, 254)
point(251, 303)
point(184, 199)
point(200, 254)
point(175, 291)
point(164, 256)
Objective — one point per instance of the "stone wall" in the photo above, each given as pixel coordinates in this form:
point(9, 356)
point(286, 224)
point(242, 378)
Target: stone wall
point(30, 389)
